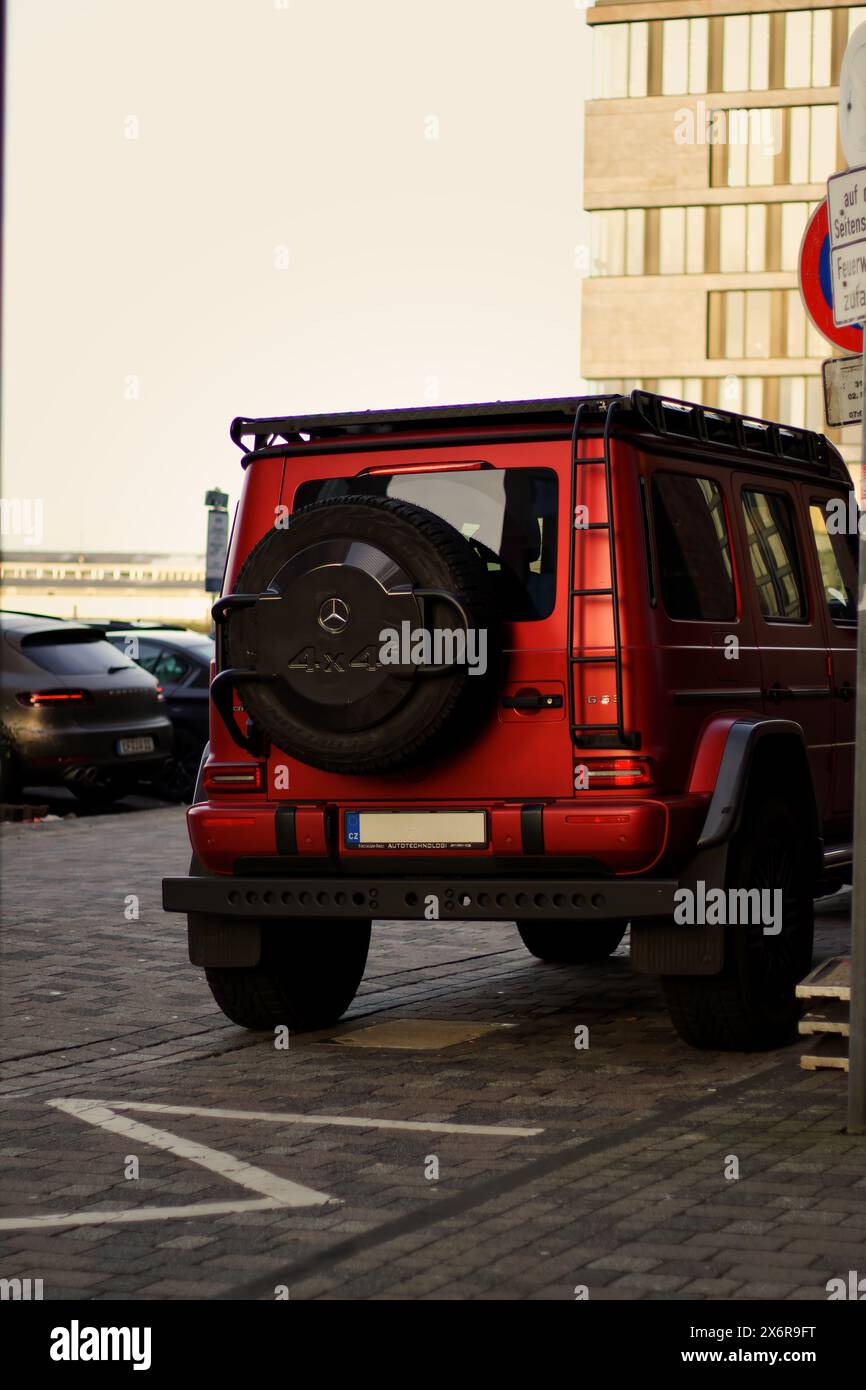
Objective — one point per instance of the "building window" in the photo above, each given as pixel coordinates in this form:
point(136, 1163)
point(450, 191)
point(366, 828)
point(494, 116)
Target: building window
point(735, 60)
point(794, 219)
point(620, 236)
point(675, 56)
point(798, 48)
point(672, 241)
point(618, 242)
point(742, 237)
point(608, 243)
point(760, 324)
point(766, 145)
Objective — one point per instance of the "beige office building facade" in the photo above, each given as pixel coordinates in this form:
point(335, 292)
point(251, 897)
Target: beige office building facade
point(709, 139)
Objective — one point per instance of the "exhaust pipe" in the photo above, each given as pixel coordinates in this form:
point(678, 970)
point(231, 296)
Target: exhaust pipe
point(87, 776)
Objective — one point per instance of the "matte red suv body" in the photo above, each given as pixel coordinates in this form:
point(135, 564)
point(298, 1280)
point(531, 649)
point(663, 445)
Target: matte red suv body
point(675, 657)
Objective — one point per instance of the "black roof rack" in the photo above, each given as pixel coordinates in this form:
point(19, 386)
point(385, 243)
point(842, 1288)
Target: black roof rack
point(698, 427)
point(741, 434)
point(554, 410)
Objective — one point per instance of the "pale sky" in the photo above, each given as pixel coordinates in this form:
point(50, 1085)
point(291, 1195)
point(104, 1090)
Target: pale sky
point(419, 269)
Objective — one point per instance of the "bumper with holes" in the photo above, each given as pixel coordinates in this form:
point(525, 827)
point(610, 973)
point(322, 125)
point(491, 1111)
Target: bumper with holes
point(437, 899)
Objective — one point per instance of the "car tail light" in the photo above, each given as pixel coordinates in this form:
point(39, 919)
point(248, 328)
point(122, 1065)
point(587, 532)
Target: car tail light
point(160, 694)
point(54, 697)
point(234, 777)
point(616, 772)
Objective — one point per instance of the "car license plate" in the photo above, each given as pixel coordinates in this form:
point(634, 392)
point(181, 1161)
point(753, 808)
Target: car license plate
point(135, 745)
point(416, 830)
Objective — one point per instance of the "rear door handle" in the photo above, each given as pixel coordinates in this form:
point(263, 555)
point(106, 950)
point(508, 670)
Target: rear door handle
point(846, 691)
point(532, 701)
point(778, 692)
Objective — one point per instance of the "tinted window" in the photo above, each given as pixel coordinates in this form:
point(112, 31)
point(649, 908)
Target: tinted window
point(80, 657)
point(507, 515)
point(142, 650)
point(692, 546)
point(170, 668)
point(837, 556)
point(773, 555)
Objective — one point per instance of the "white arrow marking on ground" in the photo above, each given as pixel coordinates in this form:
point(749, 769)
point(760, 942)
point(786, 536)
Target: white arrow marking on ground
point(275, 1192)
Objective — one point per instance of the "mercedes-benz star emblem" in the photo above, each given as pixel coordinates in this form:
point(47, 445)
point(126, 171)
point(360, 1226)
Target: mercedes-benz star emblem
point(334, 616)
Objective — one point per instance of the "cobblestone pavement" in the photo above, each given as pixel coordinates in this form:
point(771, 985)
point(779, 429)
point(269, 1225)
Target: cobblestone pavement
point(615, 1179)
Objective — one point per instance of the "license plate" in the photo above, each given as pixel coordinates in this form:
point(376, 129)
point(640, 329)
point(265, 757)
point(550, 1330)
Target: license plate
point(135, 745)
point(416, 829)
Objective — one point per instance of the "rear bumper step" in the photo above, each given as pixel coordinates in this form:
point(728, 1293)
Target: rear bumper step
point(589, 900)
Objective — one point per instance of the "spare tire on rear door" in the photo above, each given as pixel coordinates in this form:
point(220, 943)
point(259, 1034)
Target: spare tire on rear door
point(341, 696)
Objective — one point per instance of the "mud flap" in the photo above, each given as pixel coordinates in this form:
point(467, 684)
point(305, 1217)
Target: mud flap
point(661, 946)
point(223, 941)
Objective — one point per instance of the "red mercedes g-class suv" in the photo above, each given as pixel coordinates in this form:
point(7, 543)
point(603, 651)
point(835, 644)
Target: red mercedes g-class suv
point(576, 663)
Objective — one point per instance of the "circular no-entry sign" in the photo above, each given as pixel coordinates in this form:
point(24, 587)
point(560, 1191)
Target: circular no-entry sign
point(815, 286)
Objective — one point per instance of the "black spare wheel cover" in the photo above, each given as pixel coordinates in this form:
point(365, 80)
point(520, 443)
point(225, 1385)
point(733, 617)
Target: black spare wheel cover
point(339, 574)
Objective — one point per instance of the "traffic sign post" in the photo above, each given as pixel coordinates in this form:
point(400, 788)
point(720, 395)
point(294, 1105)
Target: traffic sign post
point(857, 1017)
point(217, 539)
point(816, 286)
point(846, 196)
point(846, 201)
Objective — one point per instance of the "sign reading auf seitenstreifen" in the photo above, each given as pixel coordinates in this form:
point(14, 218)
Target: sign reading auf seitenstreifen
point(846, 197)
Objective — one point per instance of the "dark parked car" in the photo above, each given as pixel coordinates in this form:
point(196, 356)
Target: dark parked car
point(180, 661)
point(74, 712)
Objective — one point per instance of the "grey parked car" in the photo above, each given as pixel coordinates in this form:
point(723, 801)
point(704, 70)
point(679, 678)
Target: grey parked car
point(74, 711)
point(180, 660)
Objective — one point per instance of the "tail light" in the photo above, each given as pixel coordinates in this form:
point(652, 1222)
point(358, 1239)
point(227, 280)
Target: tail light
point(159, 694)
point(234, 777)
point(54, 697)
point(604, 773)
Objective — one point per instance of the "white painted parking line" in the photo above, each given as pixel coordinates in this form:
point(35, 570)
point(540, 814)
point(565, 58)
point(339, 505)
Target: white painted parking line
point(275, 1193)
point(104, 1218)
point(280, 1190)
point(350, 1121)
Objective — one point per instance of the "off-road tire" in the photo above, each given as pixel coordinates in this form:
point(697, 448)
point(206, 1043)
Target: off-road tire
point(307, 977)
point(752, 1005)
point(10, 777)
point(176, 780)
point(571, 942)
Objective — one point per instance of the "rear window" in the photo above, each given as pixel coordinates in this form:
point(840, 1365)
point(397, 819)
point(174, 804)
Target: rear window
point(73, 654)
point(507, 514)
point(692, 547)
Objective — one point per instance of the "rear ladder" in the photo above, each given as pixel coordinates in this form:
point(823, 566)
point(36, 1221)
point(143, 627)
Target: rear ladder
point(594, 735)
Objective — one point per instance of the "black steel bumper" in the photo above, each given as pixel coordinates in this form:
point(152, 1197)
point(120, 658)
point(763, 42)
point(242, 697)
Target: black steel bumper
point(578, 900)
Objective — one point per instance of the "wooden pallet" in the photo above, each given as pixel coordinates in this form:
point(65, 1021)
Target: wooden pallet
point(829, 980)
point(826, 1016)
point(826, 1023)
point(827, 1050)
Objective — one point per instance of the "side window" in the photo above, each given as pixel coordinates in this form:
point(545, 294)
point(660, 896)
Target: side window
point(837, 556)
point(693, 549)
point(170, 668)
point(773, 556)
point(148, 651)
